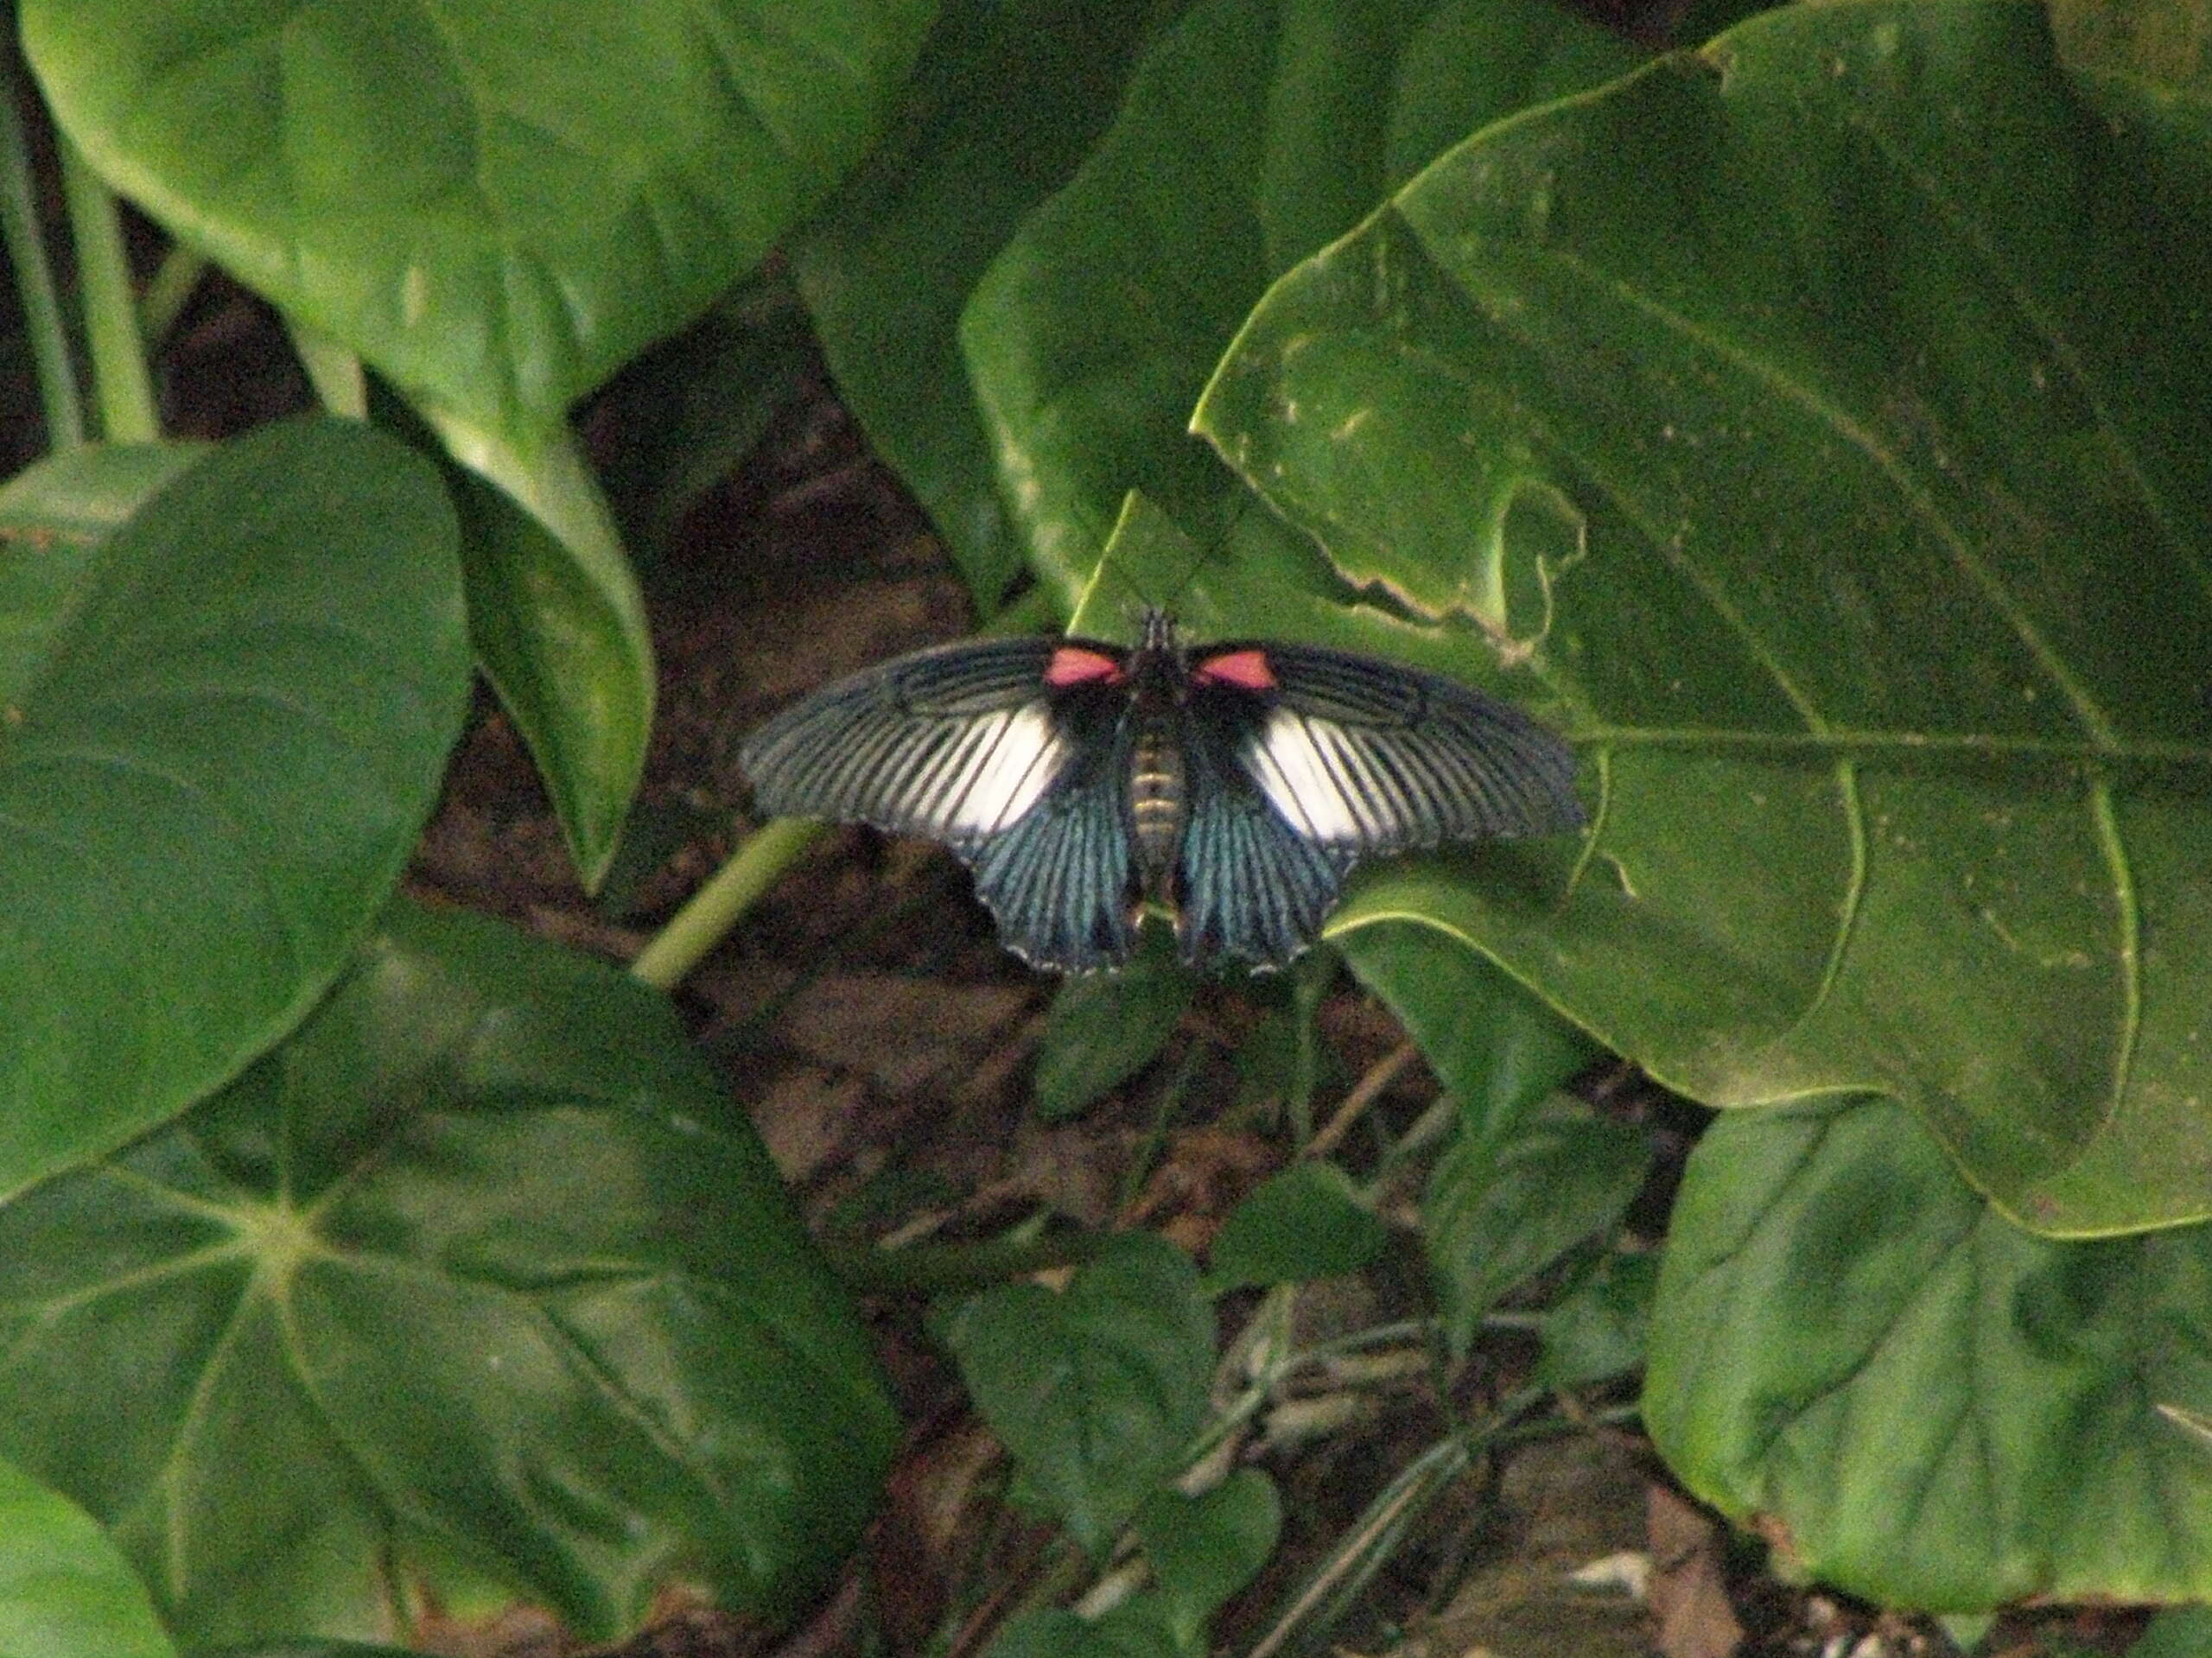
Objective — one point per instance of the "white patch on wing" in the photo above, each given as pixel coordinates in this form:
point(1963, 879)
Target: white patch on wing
point(1008, 763)
point(1301, 765)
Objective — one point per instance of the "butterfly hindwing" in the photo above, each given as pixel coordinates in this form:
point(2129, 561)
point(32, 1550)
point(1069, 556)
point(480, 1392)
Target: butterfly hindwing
point(1365, 757)
point(956, 744)
point(1058, 881)
point(1252, 886)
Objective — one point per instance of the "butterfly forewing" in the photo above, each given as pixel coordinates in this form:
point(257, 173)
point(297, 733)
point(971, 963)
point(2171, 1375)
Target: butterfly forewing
point(1367, 757)
point(955, 744)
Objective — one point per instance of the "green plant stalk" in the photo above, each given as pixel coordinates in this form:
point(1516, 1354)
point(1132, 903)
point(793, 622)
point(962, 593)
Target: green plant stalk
point(1309, 986)
point(1155, 1139)
point(169, 290)
point(120, 379)
point(333, 369)
point(24, 239)
point(699, 925)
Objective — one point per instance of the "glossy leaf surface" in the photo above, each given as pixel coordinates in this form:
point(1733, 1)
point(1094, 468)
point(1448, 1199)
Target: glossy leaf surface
point(225, 724)
point(1007, 100)
point(1253, 132)
point(1835, 476)
point(1094, 1389)
point(479, 1270)
point(1856, 1349)
point(495, 205)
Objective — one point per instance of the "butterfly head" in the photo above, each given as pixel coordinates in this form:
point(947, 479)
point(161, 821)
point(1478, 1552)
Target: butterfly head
point(1160, 636)
point(1159, 664)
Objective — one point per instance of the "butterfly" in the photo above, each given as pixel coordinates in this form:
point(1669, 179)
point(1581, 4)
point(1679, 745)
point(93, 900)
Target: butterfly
point(1232, 784)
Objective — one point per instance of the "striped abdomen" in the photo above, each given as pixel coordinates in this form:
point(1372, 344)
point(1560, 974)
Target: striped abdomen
point(1156, 808)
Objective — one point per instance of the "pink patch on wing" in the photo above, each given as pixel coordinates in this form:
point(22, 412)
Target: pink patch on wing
point(1073, 665)
point(1246, 670)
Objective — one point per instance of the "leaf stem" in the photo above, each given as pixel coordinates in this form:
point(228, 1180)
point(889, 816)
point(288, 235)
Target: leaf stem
point(934, 1268)
point(701, 923)
point(335, 371)
point(169, 290)
point(120, 379)
point(24, 238)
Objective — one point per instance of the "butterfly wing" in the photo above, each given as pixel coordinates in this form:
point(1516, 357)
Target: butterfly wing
point(1252, 887)
point(992, 747)
point(954, 743)
point(1058, 881)
point(1365, 756)
point(1304, 760)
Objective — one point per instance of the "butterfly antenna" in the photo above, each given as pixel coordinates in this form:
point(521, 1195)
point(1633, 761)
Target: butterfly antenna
point(1211, 549)
point(1138, 605)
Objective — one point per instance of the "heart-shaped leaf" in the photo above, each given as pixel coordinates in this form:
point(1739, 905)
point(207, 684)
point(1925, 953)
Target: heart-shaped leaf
point(1600, 1328)
point(479, 1274)
point(223, 728)
point(1304, 1223)
point(1836, 471)
point(493, 205)
point(1103, 1028)
point(1502, 1207)
point(1095, 1390)
point(1203, 1549)
point(1919, 1399)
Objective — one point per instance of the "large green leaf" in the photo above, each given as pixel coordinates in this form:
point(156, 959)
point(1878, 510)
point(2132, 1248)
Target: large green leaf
point(495, 204)
point(64, 1593)
point(1007, 100)
point(1494, 1046)
point(224, 726)
point(1254, 132)
point(479, 1269)
point(1838, 470)
point(1914, 1397)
